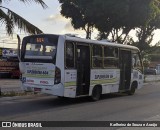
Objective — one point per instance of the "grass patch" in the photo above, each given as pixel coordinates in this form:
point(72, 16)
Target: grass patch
point(152, 81)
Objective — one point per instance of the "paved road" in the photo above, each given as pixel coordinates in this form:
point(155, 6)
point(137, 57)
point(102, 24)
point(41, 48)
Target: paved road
point(143, 106)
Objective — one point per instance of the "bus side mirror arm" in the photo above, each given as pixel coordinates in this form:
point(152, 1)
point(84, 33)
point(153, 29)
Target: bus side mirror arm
point(18, 48)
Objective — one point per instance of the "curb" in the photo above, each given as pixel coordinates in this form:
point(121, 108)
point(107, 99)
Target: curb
point(3, 99)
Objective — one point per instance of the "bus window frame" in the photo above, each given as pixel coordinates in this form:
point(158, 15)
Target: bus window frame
point(93, 67)
point(140, 58)
point(23, 49)
point(74, 44)
point(112, 67)
point(81, 44)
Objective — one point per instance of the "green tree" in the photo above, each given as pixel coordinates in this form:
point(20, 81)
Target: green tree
point(122, 17)
point(145, 32)
point(114, 19)
point(11, 19)
point(77, 10)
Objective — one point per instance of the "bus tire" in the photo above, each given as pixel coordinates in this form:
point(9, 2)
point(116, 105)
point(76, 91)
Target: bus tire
point(96, 93)
point(133, 89)
point(62, 97)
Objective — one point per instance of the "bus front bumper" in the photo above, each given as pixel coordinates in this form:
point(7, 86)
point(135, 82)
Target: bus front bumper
point(57, 90)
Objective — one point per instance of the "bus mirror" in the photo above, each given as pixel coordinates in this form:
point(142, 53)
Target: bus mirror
point(18, 48)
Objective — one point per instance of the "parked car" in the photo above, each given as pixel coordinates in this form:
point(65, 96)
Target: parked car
point(150, 70)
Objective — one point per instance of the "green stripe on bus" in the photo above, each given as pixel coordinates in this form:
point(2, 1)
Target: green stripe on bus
point(38, 76)
point(105, 81)
point(93, 82)
point(67, 84)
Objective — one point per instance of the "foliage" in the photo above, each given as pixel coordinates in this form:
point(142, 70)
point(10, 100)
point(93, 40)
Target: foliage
point(77, 11)
point(114, 19)
point(122, 17)
point(145, 32)
point(12, 19)
point(154, 54)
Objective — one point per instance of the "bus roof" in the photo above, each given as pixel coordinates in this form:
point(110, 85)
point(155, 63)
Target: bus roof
point(83, 40)
point(77, 39)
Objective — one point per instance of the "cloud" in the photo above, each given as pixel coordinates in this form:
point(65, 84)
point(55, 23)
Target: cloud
point(64, 23)
point(64, 26)
point(57, 18)
point(68, 27)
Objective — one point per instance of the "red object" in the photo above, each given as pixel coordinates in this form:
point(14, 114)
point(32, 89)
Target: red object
point(15, 74)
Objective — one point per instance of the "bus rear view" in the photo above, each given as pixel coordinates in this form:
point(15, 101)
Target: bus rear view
point(68, 66)
point(38, 64)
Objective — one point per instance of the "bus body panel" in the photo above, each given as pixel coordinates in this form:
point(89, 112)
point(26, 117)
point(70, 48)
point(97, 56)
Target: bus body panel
point(70, 83)
point(39, 77)
point(108, 78)
point(138, 77)
point(39, 73)
point(60, 57)
point(53, 90)
point(45, 83)
point(70, 91)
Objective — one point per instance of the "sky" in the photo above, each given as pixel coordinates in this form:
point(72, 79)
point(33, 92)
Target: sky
point(48, 20)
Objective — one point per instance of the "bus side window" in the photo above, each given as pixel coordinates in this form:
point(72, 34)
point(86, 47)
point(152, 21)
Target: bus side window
point(111, 57)
point(136, 63)
point(97, 56)
point(69, 55)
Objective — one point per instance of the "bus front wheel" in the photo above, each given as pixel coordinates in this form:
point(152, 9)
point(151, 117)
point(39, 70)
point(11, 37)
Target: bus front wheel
point(96, 93)
point(132, 90)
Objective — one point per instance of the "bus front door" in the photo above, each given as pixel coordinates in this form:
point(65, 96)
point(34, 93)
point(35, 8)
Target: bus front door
point(125, 70)
point(83, 70)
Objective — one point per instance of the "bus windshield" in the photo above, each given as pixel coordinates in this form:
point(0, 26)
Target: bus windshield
point(39, 49)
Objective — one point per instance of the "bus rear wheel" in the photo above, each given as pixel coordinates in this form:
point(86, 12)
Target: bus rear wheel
point(61, 97)
point(96, 93)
